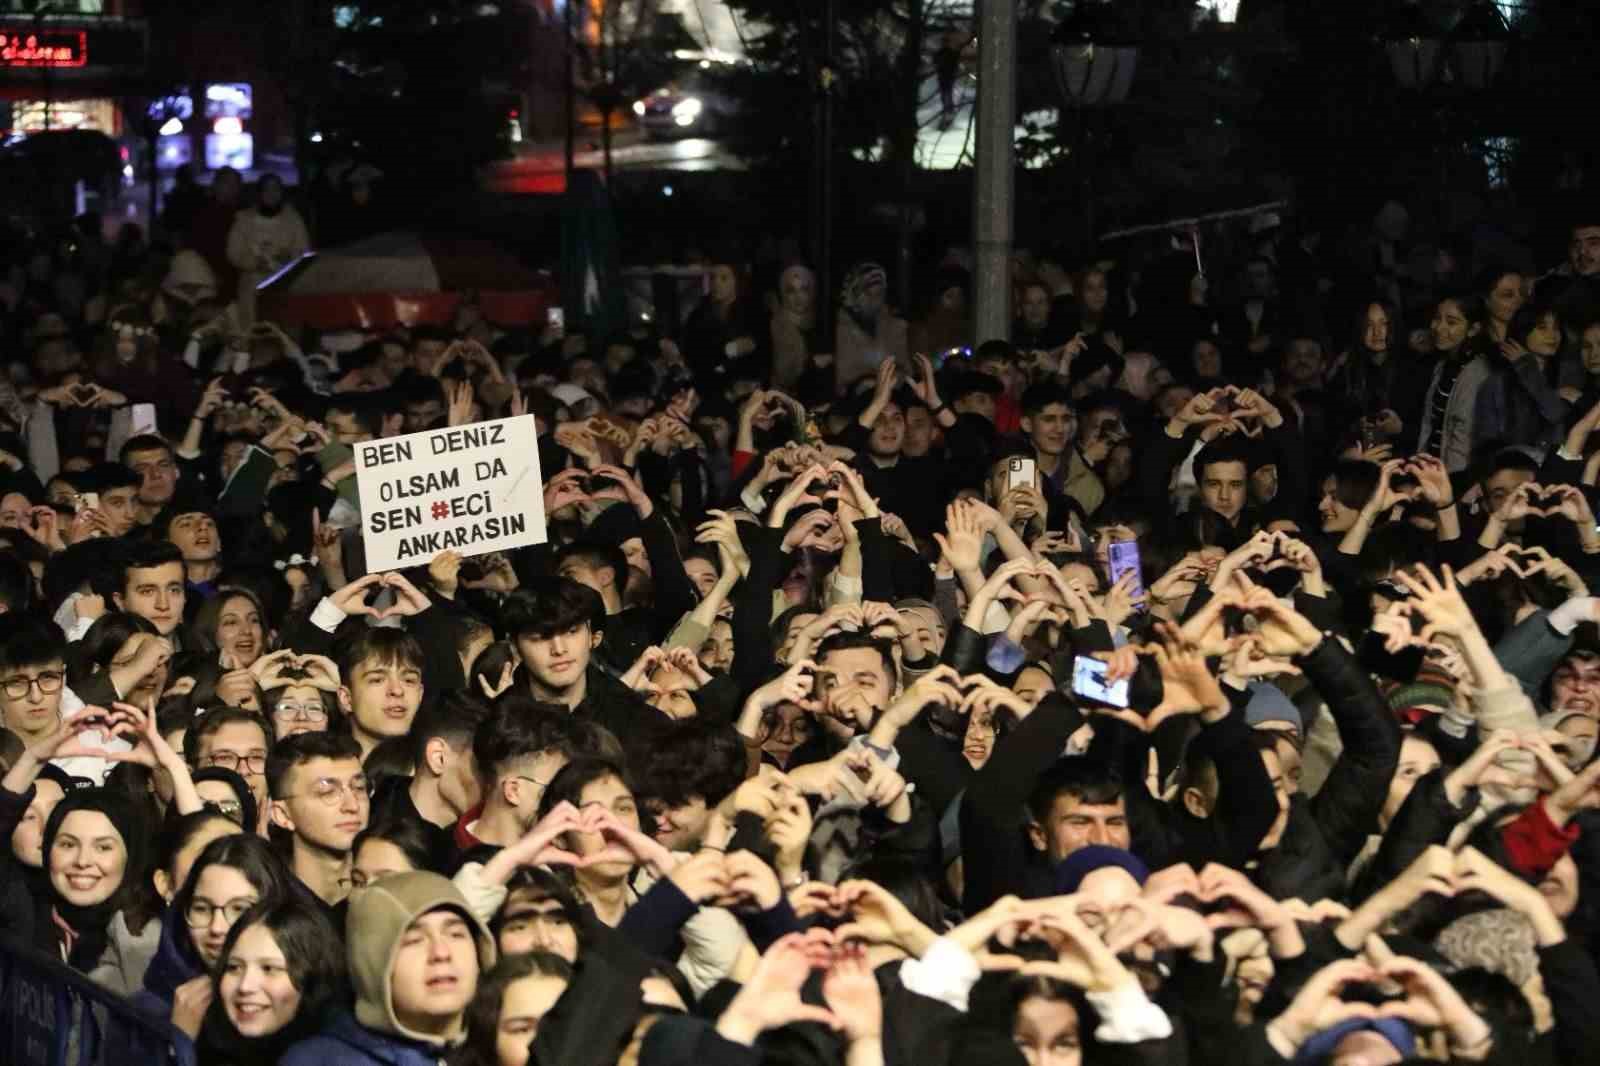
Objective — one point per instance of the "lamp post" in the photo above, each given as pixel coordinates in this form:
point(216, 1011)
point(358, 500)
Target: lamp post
point(1095, 57)
point(993, 174)
point(1478, 44)
point(1413, 45)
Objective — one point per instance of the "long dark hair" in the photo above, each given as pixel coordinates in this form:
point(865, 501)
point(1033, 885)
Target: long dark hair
point(483, 1015)
point(177, 832)
point(100, 644)
point(251, 856)
point(409, 836)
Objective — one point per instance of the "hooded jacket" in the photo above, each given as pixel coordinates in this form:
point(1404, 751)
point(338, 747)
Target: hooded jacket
point(378, 918)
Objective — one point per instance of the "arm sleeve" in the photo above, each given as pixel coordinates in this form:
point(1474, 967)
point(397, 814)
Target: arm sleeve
point(674, 591)
point(1347, 806)
point(1530, 650)
point(991, 812)
point(753, 652)
point(1571, 982)
point(1246, 802)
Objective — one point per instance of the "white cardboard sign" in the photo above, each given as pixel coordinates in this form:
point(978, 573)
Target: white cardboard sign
point(473, 489)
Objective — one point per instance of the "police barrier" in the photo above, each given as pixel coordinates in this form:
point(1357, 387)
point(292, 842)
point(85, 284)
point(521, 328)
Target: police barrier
point(51, 1015)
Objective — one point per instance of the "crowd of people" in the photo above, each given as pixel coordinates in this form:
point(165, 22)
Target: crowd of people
point(1198, 677)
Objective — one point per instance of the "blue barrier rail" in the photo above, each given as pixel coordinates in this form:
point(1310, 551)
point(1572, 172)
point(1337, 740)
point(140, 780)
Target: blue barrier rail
point(51, 1015)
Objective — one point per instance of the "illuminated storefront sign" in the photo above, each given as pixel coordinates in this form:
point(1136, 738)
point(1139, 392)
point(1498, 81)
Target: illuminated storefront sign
point(46, 48)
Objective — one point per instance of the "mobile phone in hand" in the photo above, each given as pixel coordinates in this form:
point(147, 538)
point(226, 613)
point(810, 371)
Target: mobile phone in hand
point(1089, 681)
point(1122, 557)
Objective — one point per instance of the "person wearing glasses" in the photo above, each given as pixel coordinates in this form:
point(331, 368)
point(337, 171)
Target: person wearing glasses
point(320, 796)
point(300, 708)
point(232, 874)
point(233, 739)
point(32, 677)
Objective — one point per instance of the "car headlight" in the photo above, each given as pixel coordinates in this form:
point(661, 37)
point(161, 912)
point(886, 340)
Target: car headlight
point(638, 108)
point(687, 109)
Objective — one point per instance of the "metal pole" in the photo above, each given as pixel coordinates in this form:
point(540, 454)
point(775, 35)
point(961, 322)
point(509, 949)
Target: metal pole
point(991, 202)
point(824, 204)
point(566, 66)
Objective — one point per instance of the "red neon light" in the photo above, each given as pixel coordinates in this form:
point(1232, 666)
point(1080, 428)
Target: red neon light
point(66, 48)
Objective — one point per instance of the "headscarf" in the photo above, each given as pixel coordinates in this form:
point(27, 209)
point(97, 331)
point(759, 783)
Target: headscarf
point(799, 271)
point(84, 929)
point(241, 789)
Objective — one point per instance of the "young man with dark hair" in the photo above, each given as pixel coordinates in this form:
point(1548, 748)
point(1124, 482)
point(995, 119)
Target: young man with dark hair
point(236, 740)
point(32, 676)
point(555, 625)
point(156, 464)
point(118, 488)
point(353, 418)
point(195, 533)
point(153, 585)
point(445, 783)
point(424, 402)
point(601, 567)
point(685, 775)
point(1222, 474)
point(856, 678)
point(319, 795)
point(518, 750)
point(381, 684)
point(1224, 461)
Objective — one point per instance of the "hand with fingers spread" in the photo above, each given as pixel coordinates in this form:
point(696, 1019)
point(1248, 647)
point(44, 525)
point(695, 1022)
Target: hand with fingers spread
point(962, 541)
point(1187, 684)
point(1438, 601)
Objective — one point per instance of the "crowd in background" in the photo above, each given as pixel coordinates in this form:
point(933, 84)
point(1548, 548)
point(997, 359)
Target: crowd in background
point(1207, 673)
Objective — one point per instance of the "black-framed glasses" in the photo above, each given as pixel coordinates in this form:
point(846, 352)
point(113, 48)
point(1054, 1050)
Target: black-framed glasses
point(255, 762)
point(18, 687)
point(201, 912)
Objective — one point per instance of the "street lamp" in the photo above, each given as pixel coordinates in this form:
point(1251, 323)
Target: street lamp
point(1413, 45)
point(1478, 44)
point(1094, 57)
